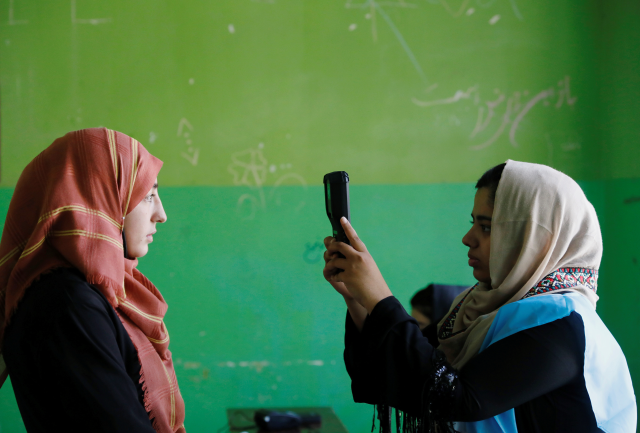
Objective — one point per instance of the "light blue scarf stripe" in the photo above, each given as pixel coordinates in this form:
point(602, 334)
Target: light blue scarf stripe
point(606, 373)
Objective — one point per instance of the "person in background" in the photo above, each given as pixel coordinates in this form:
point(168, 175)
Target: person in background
point(523, 350)
point(81, 329)
point(429, 306)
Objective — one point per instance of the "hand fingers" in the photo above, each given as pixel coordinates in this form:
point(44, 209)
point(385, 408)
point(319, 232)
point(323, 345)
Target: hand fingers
point(356, 243)
point(340, 247)
point(328, 255)
point(328, 240)
point(337, 263)
point(336, 278)
point(330, 271)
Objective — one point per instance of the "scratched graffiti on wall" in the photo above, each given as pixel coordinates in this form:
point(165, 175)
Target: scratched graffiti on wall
point(503, 113)
point(250, 168)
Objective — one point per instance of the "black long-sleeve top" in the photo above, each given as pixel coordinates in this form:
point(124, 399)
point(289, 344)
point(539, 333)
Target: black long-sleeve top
point(71, 362)
point(538, 372)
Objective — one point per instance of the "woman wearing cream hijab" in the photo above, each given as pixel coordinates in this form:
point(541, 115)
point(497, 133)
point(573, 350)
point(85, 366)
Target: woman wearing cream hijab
point(523, 350)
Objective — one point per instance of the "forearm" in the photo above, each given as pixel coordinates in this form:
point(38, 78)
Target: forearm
point(357, 312)
point(388, 360)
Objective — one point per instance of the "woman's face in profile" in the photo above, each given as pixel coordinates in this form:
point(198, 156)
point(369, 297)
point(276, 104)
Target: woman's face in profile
point(140, 223)
point(478, 238)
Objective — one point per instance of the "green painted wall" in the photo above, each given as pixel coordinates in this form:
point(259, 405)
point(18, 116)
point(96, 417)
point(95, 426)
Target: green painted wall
point(414, 99)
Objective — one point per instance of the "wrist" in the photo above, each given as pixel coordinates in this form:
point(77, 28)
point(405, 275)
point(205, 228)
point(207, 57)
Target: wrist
point(348, 298)
point(370, 303)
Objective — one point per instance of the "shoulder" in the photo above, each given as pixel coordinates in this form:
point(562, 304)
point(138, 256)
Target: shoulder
point(557, 316)
point(568, 330)
point(60, 276)
point(62, 308)
point(64, 289)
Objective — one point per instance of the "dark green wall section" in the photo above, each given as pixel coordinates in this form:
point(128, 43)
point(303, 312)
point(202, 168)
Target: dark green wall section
point(251, 319)
point(398, 91)
point(620, 269)
point(619, 83)
point(253, 322)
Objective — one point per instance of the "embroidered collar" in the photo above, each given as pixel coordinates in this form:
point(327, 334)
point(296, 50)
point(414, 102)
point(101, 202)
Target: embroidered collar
point(565, 278)
point(561, 279)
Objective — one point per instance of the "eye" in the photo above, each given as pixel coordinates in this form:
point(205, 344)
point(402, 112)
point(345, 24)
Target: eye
point(149, 198)
point(486, 229)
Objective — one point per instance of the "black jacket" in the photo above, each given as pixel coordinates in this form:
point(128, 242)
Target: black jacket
point(538, 372)
point(71, 362)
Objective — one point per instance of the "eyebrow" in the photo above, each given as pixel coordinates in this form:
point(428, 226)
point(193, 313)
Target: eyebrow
point(481, 218)
point(155, 185)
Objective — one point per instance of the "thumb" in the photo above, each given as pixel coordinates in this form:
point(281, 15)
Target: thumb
point(355, 241)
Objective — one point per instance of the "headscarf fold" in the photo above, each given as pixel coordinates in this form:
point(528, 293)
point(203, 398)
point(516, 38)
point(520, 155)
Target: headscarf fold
point(68, 210)
point(542, 225)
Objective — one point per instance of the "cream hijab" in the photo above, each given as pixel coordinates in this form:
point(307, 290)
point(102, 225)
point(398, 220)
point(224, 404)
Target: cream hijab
point(541, 222)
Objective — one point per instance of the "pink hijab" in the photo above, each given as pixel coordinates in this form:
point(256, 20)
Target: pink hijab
point(67, 211)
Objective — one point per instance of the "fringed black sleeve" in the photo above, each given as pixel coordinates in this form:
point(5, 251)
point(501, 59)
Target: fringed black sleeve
point(393, 366)
point(438, 404)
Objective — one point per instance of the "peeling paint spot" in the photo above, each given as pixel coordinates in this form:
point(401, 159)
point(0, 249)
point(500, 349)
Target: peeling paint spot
point(260, 365)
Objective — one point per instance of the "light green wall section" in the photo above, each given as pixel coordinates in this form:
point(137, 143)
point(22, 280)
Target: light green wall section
point(392, 92)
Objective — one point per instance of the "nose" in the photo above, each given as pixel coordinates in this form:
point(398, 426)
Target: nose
point(159, 215)
point(469, 240)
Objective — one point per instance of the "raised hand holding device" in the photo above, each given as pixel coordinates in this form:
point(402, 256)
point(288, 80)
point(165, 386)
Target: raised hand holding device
point(336, 197)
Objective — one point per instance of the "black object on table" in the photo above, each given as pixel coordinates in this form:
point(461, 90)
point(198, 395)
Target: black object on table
point(244, 420)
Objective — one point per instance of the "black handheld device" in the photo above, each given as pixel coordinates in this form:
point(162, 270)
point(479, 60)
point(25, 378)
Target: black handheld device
point(336, 198)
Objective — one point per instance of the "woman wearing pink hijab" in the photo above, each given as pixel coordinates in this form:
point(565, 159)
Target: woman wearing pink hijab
point(81, 329)
point(523, 350)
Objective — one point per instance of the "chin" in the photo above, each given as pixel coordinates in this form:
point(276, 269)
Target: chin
point(481, 276)
point(137, 253)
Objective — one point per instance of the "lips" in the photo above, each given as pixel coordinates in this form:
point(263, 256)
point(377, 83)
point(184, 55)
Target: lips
point(473, 262)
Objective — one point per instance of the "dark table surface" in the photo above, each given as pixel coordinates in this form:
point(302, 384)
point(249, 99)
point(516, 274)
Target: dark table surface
point(241, 420)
